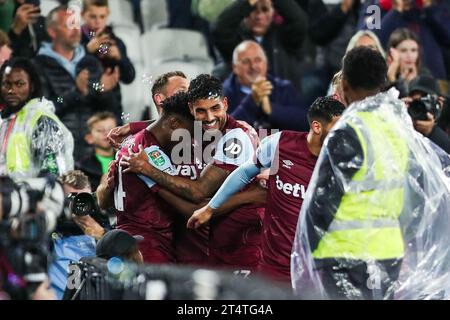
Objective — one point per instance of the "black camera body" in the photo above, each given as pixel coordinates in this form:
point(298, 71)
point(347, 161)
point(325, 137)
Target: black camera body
point(107, 62)
point(30, 209)
point(83, 204)
point(94, 66)
point(418, 109)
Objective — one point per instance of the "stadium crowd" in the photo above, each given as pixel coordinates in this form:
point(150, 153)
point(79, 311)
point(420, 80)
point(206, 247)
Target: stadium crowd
point(214, 170)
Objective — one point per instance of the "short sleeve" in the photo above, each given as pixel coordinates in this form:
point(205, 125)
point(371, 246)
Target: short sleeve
point(233, 149)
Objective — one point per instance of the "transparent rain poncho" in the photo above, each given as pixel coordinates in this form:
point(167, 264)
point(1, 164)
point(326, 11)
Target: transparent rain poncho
point(35, 140)
point(422, 270)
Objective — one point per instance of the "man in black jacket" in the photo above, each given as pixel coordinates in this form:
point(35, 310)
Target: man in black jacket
point(76, 82)
point(99, 40)
point(254, 20)
point(28, 30)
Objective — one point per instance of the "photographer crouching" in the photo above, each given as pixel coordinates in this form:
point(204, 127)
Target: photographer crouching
point(76, 232)
point(425, 107)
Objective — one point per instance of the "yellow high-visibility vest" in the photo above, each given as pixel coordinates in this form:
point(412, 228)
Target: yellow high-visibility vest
point(19, 160)
point(366, 225)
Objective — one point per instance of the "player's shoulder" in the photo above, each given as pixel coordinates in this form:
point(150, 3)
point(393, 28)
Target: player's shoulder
point(236, 145)
point(290, 134)
point(143, 137)
point(238, 126)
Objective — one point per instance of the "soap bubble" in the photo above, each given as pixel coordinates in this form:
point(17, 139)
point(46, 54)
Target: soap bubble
point(99, 87)
point(103, 49)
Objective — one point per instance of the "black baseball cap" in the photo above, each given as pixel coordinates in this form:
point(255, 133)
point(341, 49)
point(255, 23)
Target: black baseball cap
point(116, 243)
point(425, 84)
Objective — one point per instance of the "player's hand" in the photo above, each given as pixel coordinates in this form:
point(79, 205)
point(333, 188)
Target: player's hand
point(263, 178)
point(135, 161)
point(111, 177)
point(257, 193)
point(253, 134)
point(117, 135)
point(89, 226)
point(200, 217)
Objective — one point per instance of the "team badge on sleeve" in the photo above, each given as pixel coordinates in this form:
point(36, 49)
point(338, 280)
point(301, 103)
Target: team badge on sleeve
point(158, 159)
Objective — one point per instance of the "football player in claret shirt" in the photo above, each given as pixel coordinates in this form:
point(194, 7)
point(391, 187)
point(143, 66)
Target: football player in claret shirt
point(291, 157)
point(140, 211)
point(235, 238)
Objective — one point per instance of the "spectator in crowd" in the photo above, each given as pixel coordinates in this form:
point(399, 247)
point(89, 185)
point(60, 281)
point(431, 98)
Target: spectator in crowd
point(137, 14)
point(336, 88)
point(5, 54)
point(99, 39)
point(28, 30)
point(330, 29)
point(96, 164)
point(74, 237)
point(6, 14)
point(429, 21)
point(260, 98)
point(73, 80)
point(34, 139)
point(404, 60)
point(365, 38)
point(119, 243)
point(254, 20)
point(180, 16)
point(209, 9)
point(420, 87)
point(5, 49)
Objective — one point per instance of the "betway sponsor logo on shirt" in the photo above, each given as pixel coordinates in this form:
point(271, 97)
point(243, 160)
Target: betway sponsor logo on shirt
point(296, 190)
point(185, 170)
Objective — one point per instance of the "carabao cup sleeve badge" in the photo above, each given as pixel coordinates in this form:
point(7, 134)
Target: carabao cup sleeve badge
point(158, 159)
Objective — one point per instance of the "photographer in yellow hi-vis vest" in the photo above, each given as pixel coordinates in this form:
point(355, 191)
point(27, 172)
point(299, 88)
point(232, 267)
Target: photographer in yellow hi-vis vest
point(374, 222)
point(32, 139)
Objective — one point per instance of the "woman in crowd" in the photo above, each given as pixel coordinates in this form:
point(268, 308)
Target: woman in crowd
point(404, 60)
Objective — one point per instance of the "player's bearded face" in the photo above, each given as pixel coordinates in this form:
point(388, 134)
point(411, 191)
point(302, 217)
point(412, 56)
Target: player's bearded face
point(212, 112)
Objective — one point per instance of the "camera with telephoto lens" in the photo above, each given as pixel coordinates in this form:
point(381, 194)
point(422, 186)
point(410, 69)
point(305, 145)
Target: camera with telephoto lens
point(418, 109)
point(83, 203)
point(29, 211)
